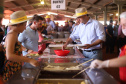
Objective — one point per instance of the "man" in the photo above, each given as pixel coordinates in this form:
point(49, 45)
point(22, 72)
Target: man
point(71, 24)
point(1, 34)
point(29, 38)
point(119, 61)
point(74, 29)
point(115, 34)
point(75, 25)
point(50, 22)
point(91, 34)
point(109, 38)
point(66, 26)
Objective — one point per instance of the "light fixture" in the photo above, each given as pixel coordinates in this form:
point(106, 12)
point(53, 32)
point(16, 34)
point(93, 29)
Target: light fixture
point(49, 13)
point(69, 16)
point(116, 14)
point(42, 2)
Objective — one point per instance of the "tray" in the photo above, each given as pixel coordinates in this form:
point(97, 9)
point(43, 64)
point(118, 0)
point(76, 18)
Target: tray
point(62, 68)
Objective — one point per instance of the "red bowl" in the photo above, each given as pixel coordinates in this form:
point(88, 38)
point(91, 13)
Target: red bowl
point(60, 52)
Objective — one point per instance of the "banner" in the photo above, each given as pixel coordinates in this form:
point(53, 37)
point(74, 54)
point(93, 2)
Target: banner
point(58, 4)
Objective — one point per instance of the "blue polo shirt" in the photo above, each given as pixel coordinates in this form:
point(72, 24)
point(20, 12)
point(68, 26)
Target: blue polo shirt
point(29, 39)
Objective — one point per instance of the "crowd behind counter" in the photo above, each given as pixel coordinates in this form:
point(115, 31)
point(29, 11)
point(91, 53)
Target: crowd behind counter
point(29, 74)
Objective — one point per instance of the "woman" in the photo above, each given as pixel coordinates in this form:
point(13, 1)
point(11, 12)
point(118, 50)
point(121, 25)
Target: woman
point(116, 62)
point(12, 47)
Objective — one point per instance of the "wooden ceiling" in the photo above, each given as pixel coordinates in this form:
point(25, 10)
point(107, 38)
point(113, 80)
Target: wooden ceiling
point(34, 7)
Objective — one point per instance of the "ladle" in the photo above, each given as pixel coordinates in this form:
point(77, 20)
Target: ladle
point(80, 72)
point(84, 62)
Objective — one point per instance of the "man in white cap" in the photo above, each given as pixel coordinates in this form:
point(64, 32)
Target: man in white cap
point(116, 62)
point(49, 21)
point(91, 34)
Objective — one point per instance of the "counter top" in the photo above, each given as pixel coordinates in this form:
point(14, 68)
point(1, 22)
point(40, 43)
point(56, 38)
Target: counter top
point(28, 74)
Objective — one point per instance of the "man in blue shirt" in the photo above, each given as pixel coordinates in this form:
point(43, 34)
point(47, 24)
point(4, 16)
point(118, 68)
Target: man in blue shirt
point(91, 34)
point(29, 37)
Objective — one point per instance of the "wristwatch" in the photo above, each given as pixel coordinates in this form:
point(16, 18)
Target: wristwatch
point(26, 50)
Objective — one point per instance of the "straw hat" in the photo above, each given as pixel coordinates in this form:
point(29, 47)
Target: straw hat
point(47, 16)
point(80, 12)
point(18, 17)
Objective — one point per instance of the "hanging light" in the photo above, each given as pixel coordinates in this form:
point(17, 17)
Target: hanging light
point(116, 14)
point(42, 2)
point(49, 13)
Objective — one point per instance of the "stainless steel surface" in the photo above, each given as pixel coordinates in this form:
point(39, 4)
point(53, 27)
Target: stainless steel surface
point(60, 34)
point(62, 77)
point(21, 77)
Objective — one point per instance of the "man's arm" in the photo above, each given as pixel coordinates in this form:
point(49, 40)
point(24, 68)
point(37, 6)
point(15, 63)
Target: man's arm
point(115, 62)
point(93, 44)
point(69, 40)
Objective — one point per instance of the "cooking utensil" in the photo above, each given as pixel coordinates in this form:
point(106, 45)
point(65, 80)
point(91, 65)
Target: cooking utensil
point(80, 72)
point(84, 62)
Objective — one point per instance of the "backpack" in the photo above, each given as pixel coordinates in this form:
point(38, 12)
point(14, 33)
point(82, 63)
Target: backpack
point(2, 59)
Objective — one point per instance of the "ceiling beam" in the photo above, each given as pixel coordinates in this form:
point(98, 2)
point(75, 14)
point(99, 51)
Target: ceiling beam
point(76, 2)
point(49, 9)
point(85, 3)
point(40, 7)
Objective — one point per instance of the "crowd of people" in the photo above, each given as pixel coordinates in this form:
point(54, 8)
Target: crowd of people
point(92, 34)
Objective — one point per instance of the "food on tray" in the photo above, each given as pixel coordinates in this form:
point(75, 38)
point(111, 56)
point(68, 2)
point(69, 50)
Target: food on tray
point(59, 42)
point(49, 67)
point(73, 68)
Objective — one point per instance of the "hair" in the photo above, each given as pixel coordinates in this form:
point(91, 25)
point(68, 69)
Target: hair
point(37, 18)
point(111, 21)
point(123, 15)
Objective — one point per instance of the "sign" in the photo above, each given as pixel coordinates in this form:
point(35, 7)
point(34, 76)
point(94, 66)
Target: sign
point(58, 5)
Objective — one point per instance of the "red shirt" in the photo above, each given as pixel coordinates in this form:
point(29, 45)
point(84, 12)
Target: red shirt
point(122, 70)
point(41, 47)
